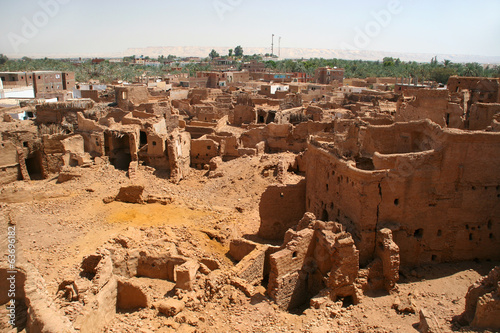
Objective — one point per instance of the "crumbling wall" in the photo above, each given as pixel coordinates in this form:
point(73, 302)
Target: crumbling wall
point(93, 135)
point(41, 314)
point(482, 302)
point(205, 112)
point(156, 108)
point(400, 138)
point(314, 112)
point(157, 154)
point(481, 115)
point(482, 89)
point(244, 114)
point(9, 165)
point(100, 298)
point(228, 143)
point(417, 104)
point(336, 190)
point(284, 137)
point(129, 97)
point(251, 267)
point(62, 113)
point(321, 258)
point(61, 150)
point(280, 208)
point(203, 150)
point(291, 116)
point(287, 282)
point(435, 189)
point(91, 94)
point(179, 154)
point(388, 252)
point(291, 101)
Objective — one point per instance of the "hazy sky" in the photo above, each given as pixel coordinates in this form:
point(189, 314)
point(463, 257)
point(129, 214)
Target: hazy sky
point(51, 27)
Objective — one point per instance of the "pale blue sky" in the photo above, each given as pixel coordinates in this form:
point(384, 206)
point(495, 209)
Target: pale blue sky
point(97, 26)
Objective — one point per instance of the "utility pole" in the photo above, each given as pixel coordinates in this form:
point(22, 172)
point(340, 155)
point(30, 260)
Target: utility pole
point(279, 47)
point(272, 46)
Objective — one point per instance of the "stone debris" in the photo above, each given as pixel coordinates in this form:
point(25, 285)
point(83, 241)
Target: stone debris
point(131, 194)
point(404, 305)
point(428, 322)
point(170, 307)
point(482, 302)
point(265, 200)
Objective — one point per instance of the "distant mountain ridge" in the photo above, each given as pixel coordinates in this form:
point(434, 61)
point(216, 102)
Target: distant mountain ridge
point(285, 53)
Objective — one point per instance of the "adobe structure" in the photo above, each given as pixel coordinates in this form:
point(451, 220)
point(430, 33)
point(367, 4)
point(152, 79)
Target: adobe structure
point(46, 84)
point(417, 179)
point(181, 206)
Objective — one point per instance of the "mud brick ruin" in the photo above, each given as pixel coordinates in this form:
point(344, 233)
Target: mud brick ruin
point(356, 189)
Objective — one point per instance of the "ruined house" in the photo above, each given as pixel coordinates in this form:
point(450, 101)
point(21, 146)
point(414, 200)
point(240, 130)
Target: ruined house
point(130, 96)
point(436, 105)
point(436, 189)
point(482, 90)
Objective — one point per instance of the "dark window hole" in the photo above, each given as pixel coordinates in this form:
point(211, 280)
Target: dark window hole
point(143, 138)
point(418, 233)
point(324, 215)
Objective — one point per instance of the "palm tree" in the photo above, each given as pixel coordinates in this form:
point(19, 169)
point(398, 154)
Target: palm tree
point(213, 54)
point(238, 51)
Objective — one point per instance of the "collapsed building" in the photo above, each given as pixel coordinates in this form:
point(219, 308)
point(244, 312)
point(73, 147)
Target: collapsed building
point(375, 187)
point(436, 189)
point(414, 184)
point(467, 103)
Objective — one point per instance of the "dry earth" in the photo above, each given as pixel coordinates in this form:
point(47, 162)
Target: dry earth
point(58, 224)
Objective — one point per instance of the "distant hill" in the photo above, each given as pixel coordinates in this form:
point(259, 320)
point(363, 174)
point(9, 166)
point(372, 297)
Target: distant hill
point(286, 53)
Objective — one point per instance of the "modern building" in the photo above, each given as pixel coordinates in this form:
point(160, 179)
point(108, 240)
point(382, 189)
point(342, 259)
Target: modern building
point(44, 83)
point(327, 75)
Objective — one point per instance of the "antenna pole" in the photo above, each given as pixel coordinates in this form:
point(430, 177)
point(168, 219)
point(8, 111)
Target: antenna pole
point(279, 48)
point(272, 46)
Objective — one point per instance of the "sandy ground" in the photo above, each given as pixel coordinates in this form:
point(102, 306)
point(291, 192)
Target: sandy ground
point(58, 224)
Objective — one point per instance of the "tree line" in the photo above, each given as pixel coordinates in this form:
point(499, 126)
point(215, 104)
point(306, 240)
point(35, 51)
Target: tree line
point(108, 72)
point(389, 67)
